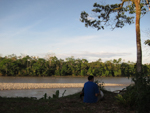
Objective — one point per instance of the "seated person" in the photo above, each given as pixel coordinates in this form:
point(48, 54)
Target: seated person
point(91, 91)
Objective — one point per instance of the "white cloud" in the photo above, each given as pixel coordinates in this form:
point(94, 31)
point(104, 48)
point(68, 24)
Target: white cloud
point(91, 56)
point(100, 54)
point(75, 40)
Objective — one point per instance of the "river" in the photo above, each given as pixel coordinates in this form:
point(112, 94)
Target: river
point(38, 93)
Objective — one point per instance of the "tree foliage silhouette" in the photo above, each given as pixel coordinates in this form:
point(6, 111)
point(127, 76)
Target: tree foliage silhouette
point(117, 16)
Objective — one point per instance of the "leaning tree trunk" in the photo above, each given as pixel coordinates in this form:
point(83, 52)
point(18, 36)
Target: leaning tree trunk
point(138, 37)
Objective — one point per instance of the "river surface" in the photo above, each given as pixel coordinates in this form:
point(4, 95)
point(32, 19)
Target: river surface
point(38, 93)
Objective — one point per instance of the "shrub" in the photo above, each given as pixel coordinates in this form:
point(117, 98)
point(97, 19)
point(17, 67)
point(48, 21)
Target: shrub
point(137, 96)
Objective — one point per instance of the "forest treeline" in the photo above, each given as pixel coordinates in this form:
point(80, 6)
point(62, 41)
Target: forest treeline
point(13, 65)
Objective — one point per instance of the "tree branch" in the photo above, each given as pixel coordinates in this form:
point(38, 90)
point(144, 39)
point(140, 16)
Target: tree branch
point(120, 6)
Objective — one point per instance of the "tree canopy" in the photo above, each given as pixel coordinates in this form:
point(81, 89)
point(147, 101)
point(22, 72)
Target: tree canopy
point(13, 65)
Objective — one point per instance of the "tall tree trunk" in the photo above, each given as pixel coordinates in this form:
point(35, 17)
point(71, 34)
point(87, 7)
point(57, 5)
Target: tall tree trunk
point(138, 36)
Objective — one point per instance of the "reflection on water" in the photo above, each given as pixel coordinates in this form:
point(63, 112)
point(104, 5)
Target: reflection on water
point(40, 92)
point(118, 80)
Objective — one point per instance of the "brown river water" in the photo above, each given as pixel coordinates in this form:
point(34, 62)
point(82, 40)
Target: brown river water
point(38, 93)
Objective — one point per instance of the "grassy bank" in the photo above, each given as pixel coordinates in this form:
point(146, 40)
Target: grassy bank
point(68, 104)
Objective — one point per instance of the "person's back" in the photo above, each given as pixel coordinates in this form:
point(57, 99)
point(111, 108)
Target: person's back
point(90, 91)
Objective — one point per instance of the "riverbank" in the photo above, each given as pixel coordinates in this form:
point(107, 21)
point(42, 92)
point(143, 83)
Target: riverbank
point(68, 104)
point(12, 86)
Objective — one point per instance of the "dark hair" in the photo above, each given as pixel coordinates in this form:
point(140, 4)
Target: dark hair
point(90, 77)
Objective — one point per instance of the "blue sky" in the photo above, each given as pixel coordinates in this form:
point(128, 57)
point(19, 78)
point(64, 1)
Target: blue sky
point(41, 27)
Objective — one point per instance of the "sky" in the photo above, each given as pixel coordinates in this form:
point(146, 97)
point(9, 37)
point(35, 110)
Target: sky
point(53, 27)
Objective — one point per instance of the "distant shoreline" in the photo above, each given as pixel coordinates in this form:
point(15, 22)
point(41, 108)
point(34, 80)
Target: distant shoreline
point(14, 86)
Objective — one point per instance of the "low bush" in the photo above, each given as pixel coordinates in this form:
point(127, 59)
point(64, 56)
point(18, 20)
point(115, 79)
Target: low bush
point(137, 96)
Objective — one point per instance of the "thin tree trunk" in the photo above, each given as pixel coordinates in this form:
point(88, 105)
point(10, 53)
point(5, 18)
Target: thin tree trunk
point(138, 36)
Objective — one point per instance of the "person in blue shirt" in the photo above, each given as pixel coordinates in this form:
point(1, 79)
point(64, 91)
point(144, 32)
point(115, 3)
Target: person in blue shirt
point(91, 91)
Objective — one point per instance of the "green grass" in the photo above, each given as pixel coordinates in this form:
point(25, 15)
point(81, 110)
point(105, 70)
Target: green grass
point(68, 104)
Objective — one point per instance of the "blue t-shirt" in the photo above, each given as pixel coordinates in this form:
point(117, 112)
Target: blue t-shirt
point(90, 89)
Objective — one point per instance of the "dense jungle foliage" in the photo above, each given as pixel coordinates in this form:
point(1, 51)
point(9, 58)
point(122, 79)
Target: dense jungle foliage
point(13, 65)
